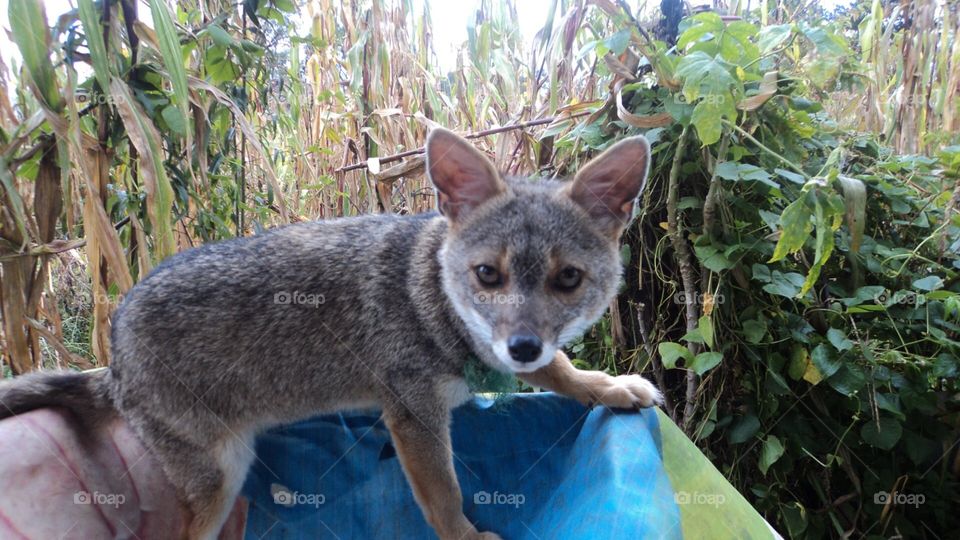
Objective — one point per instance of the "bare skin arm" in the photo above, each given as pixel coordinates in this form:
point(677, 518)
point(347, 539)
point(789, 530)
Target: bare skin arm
point(56, 487)
point(593, 387)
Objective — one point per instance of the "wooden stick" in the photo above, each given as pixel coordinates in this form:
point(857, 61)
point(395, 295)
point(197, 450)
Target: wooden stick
point(477, 135)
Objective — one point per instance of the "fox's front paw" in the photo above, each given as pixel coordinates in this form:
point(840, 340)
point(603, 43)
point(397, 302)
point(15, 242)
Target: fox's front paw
point(628, 392)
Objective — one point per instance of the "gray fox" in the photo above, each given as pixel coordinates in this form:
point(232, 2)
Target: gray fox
point(226, 340)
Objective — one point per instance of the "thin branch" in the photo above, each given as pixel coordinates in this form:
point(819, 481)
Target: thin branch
point(477, 135)
point(684, 259)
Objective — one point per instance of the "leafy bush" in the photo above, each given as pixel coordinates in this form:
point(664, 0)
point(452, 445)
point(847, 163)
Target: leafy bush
point(801, 283)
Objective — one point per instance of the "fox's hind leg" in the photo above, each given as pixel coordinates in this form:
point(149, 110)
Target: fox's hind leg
point(594, 387)
point(207, 477)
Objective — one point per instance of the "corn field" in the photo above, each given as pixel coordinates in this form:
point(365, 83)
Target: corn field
point(130, 131)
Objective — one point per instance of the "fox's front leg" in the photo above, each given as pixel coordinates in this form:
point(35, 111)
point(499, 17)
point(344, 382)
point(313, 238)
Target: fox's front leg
point(420, 429)
point(594, 387)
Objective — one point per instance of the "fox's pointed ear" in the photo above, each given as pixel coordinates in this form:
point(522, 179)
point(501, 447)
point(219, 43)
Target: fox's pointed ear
point(464, 177)
point(607, 187)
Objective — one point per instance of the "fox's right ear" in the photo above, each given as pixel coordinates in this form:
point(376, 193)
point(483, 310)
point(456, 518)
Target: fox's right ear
point(464, 177)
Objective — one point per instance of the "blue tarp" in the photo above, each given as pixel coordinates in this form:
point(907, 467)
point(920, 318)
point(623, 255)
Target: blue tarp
point(536, 466)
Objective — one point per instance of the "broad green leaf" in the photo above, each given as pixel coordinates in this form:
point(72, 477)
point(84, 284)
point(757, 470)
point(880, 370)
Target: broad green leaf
point(708, 116)
point(754, 330)
point(670, 352)
point(795, 226)
point(771, 452)
point(705, 75)
point(774, 36)
point(787, 285)
point(693, 336)
point(705, 361)
point(868, 293)
point(929, 283)
point(848, 380)
point(825, 225)
point(743, 429)
point(702, 24)
point(826, 359)
point(618, 42)
point(883, 433)
point(839, 339)
point(219, 35)
point(712, 258)
point(705, 326)
point(174, 118)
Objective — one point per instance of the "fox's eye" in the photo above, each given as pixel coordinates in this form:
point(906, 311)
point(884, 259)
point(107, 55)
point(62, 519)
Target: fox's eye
point(568, 279)
point(487, 275)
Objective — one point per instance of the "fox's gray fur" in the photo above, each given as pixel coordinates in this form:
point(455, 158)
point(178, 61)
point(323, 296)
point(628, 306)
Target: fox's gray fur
point(220, 342)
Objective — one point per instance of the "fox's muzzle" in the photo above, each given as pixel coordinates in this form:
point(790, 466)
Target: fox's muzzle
point(524, 347)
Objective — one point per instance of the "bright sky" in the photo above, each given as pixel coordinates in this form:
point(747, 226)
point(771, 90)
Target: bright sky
point(449, 22)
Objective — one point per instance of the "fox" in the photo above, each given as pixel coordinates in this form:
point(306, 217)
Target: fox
point(223, 341)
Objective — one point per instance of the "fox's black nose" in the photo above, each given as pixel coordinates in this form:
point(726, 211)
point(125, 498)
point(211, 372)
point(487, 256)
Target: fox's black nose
point(524, 347)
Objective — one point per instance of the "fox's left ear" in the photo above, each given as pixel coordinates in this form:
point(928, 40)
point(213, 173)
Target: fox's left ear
point(464, 178)
point(607, 187)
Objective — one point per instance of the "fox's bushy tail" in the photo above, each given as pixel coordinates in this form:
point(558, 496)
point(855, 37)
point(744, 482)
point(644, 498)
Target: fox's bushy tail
point(85, 394)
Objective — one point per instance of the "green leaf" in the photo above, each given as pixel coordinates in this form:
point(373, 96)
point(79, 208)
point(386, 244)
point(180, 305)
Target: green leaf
point(712, 258)
point(705, 325)
point(864, 294)
point(219, 35)
point(754, 330)
point(824, 214)
point(791, 176)
point(172, 56)
point(93, 29)
point(693, 336)
point(728, 170)
point(787, 285)
point(826, 360)
point(28, 25)
point(929, 283)
point(839, 339)
point(773, 36)
point(848, 380)
point(771, 452)
point(708, 117)
point(743, 429)
point(618, 42)
point(702, 24)
point(287, 6)
point(705, 361)
point(670, 352)
point(883, 433)
point(174, 118)
point(702, 74)
point(795, 226)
